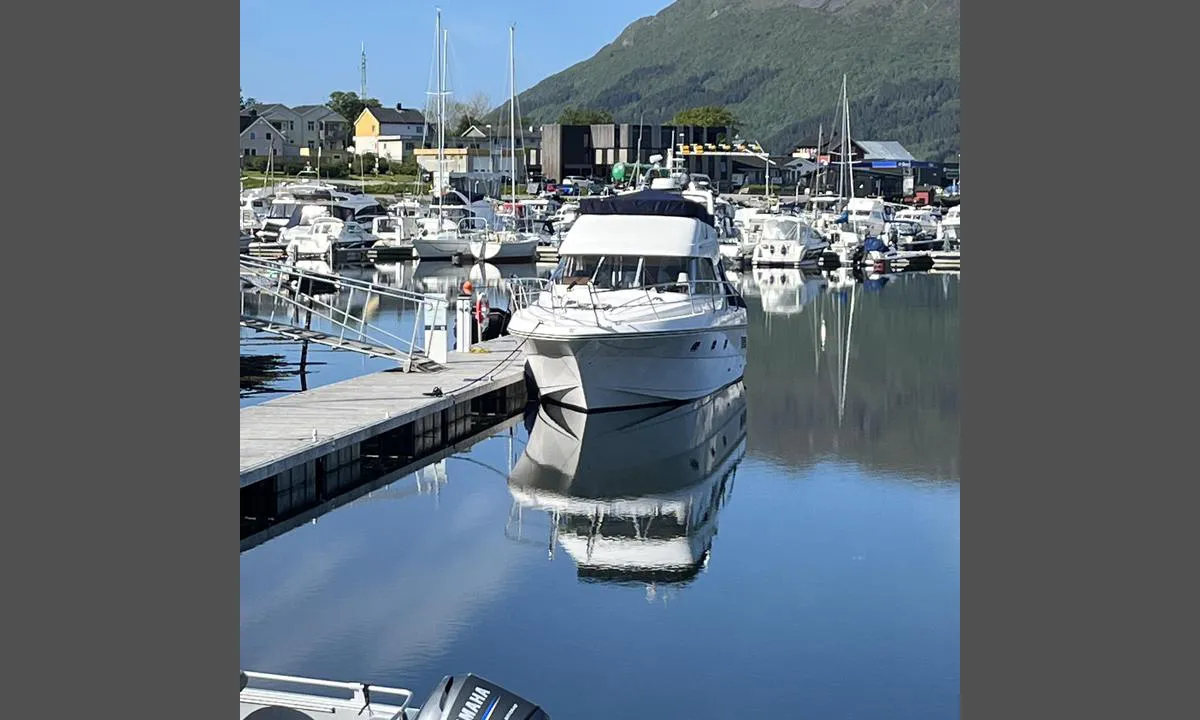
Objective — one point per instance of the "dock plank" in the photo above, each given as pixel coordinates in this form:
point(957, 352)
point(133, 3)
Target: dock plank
point(278, 434)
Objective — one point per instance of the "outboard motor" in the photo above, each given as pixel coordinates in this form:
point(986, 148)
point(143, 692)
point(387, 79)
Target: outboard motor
point(470, 697)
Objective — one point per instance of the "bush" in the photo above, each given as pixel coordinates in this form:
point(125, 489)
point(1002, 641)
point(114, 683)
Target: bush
point(333, 170)
point(408, 167)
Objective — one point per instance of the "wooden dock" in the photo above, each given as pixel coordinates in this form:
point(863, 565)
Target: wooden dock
point(307, 433)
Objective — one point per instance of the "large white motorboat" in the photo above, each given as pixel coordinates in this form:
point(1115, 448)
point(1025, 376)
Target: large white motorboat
point(634, 494)
point(639, 310)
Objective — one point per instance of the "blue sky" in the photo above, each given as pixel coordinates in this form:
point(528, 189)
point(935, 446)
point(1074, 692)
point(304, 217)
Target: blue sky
point(276, 65)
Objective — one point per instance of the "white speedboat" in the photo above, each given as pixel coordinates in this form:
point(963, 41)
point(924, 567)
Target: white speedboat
point(923, 218)
point(639, 310)
point(634, 495)
point(323, 234)
point(787, 241)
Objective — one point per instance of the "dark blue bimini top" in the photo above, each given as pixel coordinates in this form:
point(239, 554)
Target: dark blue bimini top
point(645, 202)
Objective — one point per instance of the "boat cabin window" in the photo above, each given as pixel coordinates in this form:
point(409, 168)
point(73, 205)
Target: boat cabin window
point(623, 272)
point(386, 225)
point(281, 211)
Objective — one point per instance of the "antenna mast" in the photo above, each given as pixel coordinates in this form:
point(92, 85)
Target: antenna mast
point(362, 73)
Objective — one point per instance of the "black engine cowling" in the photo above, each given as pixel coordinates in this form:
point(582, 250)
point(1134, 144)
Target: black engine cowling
point(471, 697)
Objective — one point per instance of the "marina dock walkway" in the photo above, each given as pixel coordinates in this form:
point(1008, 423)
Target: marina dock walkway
point(290, 432)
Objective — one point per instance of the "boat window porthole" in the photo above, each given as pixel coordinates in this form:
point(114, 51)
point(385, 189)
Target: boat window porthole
point(695, 346)
point(726, 344)
point(714, 345)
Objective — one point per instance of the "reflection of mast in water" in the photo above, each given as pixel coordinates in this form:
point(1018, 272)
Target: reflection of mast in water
point(633, 496)
point(843, 335)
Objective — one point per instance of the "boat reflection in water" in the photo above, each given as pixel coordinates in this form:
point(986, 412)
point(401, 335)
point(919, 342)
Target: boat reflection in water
point(633, 495)
point(785, 291)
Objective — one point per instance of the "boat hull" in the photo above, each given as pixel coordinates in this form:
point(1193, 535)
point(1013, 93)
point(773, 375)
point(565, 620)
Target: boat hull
point(787, 253)
point(441, 248)
point(522, 250)
point(611, 371)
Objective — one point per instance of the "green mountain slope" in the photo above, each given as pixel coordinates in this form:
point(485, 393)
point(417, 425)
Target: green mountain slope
point(778, 65)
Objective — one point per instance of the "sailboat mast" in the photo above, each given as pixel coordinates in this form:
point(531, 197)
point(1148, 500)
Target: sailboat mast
point(846, 137)
point(820, 139)
point(512, 112)
point(441, 109)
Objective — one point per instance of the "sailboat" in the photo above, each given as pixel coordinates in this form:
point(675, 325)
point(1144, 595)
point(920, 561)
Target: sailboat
point(511, 244)
point(448, 233)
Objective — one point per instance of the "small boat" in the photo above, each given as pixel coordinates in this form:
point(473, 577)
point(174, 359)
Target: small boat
point(949, 227)
point(639, 310)
point(266, 696)
point(322, 235)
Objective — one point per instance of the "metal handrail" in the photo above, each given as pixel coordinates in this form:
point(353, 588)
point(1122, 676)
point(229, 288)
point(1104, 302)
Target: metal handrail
point(273, 266)
point(258, 269)
point(464, 225)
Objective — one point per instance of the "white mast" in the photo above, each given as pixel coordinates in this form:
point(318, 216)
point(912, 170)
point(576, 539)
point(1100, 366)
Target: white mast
point(441, 109)
point(512, 113)
point(848, 153)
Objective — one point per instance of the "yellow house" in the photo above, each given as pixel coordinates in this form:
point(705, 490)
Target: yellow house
point(405, 123)
point(389, 132)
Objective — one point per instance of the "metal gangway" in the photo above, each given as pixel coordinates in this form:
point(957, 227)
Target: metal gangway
point(297, 295)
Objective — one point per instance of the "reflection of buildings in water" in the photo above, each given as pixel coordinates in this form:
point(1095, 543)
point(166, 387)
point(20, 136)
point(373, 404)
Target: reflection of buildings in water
point(633, 496)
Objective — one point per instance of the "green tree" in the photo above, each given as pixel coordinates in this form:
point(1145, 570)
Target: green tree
point(582, 116)
point(349, 105)
point(706, 116)
point(246, 101)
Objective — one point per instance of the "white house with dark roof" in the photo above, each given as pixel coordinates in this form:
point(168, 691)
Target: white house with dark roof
point(260, 137)
point(307, 128)
point(321, 127)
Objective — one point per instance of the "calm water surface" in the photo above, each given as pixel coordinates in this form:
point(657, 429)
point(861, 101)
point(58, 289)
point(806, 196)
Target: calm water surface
point(787, 548)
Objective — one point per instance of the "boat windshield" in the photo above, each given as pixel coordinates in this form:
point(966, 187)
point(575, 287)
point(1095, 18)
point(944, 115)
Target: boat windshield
point(626, 272)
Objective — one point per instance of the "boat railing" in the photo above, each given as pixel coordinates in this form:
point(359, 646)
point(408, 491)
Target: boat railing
point(472, 225)
point(314, 695)
point(701, 296)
